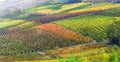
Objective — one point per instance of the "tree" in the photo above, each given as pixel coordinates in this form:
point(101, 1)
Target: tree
point(114, 33)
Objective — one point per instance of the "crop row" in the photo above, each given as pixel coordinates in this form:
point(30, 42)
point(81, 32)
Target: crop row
point(31, 40)
point(47, 19)
point(5, 24)
point(55, 9)
point(61, 31)
point(111, 12)
point(95, 7)
point(18, 27)
point(95, 26)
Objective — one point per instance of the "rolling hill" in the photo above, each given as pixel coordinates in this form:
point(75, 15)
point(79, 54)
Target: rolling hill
point(95, 26)
point(53, 9)
point(60, 32)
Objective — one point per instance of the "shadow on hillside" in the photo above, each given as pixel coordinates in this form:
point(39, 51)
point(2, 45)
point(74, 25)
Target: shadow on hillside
point(113, 34)
point(34, 16)
point(110, 12)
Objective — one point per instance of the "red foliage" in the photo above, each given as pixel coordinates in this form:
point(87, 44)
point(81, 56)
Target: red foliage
point(47, 19)
point(62, 31)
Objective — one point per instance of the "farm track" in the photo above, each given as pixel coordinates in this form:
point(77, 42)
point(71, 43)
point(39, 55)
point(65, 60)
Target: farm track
point(53, 18)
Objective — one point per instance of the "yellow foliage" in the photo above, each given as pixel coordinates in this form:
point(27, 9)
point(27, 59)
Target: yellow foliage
point(97, 8)
point(63, 8)
point(40, 61)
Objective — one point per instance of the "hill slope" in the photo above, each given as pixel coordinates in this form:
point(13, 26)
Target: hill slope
point(94, 26)
point(61, 30)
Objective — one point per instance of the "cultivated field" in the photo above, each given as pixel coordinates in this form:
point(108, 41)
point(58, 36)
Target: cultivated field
point(76, 32)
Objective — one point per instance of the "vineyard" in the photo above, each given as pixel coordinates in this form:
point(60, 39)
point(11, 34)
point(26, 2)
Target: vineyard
point(98, 7)
point(95, 26)
point(59, 32)
point(10, 23)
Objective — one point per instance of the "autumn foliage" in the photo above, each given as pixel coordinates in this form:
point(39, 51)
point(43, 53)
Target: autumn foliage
point(64, 32)
point(47, 19)
point(74, 49)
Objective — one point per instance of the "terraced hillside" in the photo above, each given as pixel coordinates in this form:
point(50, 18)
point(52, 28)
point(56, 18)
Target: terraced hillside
point(74, 32)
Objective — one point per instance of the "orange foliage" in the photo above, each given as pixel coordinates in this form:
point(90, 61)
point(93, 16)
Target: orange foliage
point(61, 31)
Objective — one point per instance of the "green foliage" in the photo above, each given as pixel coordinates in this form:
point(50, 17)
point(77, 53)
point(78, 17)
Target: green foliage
point(111, 12)
point(95, 26)
point(113, 56)
point(87, 5)
point(114, 11)
point(114, 30)
point(31, 40)
point(73, 58)
point(5, 24)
